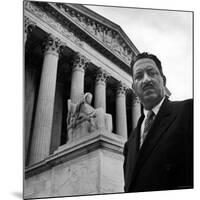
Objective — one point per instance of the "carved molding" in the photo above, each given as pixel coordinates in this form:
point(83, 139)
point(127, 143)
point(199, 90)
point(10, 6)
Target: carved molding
point(66, 20)
point(107, 36)
point(65, 31)
point(29, 24)
point(109, 142)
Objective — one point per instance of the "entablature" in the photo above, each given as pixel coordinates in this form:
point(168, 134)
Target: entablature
point(105, 36)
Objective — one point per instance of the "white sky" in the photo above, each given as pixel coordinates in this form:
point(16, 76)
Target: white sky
point(167, 34)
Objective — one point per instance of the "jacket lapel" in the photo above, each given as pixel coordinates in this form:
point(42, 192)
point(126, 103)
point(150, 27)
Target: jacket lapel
point(162, 121)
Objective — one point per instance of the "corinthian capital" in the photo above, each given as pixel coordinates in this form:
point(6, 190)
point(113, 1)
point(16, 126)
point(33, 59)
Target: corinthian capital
point(135, 99)
point(52, 45)
point(29, 24)
point(102, 75)
point(80, 62)
point(121, 88)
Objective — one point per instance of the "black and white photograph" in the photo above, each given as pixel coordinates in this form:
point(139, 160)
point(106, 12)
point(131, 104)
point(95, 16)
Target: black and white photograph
point(107, 101)
point(102, 116)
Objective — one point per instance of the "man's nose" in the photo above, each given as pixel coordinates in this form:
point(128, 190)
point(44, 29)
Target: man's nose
point(146, 78)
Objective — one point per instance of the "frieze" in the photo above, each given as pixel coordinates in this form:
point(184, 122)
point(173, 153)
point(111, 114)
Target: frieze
point(110, 38)
point(51, 22)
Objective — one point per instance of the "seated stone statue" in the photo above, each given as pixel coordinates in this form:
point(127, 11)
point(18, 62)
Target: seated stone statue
point(83, 113)
point(84, 110)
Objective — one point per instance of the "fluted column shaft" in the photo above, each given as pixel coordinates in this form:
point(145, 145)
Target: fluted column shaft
point(100, 89)
point(121, 118)
point(29, 82)
point(30, 90)
point(78, 72)
point(136, 111)
point(40, 146)
point(57, 117)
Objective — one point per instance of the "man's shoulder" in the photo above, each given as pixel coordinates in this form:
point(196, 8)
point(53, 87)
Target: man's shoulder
point(187, 102)
point(184, 107)
point(183, 101)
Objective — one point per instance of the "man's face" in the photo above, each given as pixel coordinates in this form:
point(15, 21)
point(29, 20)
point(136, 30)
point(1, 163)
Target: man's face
point(148, 82)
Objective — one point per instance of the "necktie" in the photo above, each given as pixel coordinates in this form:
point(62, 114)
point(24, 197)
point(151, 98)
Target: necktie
point(147, 125)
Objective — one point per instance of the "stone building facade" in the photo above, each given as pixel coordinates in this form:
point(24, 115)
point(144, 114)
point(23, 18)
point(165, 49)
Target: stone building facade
point(69, 150)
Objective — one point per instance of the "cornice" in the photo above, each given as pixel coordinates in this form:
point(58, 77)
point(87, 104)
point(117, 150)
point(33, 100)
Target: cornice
point(78, 27)
point(110, 37)
point(106, 22)
point(54, 23)
point(71, 150)
point(29, 24)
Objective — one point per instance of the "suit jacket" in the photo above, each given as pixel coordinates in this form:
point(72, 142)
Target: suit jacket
point(165, 160)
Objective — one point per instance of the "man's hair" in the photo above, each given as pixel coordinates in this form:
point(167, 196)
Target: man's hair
point(150, 56)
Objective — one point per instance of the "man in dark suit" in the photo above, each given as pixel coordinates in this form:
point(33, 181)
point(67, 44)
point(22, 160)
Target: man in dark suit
point(159, 152)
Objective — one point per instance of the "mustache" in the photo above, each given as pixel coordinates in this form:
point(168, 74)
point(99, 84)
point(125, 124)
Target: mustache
point(146, 85)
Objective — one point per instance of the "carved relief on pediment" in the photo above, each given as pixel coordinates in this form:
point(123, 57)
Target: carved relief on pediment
point(101, 32)
point(108, 37)
point(53, 23)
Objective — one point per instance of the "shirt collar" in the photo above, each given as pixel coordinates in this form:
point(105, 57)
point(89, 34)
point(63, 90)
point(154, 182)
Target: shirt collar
point(155, 109)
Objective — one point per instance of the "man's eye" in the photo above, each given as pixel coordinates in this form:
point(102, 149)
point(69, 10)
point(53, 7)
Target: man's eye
point(138, 76)
point(152, 73)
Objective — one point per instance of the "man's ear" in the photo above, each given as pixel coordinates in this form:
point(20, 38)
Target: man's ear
point(164, 80)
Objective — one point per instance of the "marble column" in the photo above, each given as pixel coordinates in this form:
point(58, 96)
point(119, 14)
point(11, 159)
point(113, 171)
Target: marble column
point(57, 117)
point(100, 89)
point(136, 111)
point(121, 118)
point(30, 91)
point(78, 72)
point(28, 27)
point(41, 139)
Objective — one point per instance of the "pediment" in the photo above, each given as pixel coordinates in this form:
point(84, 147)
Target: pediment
point(105, 36)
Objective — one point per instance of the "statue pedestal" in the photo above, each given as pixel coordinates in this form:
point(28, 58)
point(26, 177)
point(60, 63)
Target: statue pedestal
point(92, 164)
